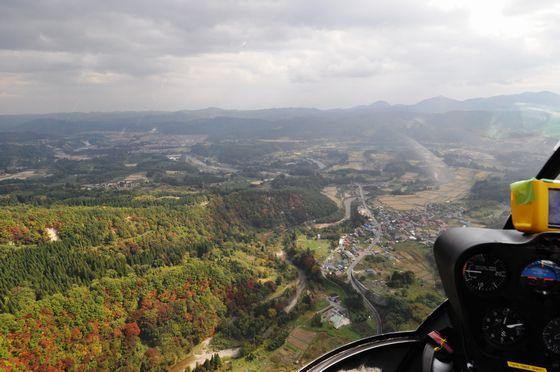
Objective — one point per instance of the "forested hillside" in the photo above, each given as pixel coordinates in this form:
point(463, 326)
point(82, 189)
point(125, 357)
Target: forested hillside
point(278, 207)
point(106, 287)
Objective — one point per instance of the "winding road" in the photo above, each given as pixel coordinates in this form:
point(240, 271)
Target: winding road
point(302, 282)
point(347, 211)
point(356, 284)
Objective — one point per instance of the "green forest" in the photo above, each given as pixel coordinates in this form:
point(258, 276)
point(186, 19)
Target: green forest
point(112, 285)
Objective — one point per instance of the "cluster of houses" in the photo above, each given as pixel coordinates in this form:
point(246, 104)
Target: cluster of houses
point(125, 184)
point(422, 225)
point(395, 226)
point(338, 261)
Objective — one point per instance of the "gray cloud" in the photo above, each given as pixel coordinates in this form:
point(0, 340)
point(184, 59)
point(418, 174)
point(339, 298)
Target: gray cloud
point(138, 54)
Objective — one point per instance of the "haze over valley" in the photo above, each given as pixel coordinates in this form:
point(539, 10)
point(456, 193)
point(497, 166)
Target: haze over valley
point(244, 240)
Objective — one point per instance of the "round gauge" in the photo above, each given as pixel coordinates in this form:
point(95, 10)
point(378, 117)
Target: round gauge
point(551, 335)
point(503, 326)
point(484, 273)
point(541, 274)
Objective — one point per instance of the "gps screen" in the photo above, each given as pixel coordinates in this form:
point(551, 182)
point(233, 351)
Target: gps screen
point(554, 207)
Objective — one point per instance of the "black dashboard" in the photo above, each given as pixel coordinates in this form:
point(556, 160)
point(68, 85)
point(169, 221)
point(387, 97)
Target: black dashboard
point(504, 290)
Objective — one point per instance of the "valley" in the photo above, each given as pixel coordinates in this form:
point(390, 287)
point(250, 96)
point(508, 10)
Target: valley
point(261, 238)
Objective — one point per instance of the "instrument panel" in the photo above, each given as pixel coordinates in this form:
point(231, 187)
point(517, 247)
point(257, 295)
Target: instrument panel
point(507, 312)
point(504, 287)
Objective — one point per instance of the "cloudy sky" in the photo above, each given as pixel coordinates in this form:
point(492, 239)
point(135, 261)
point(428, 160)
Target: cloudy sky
point(77, 55)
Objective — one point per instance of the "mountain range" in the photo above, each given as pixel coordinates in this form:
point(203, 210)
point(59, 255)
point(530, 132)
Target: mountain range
point(437, 116)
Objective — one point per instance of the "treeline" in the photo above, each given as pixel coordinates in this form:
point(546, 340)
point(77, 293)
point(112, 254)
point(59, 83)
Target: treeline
point(91, 226)
point(79, 197)
point(265, 209)
point(314, 181)
point(491, 189)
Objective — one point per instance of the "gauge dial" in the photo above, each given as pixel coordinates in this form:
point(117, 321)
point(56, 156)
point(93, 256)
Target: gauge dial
point(484, 273)
point(542, 274)
point(503, 326)
point(551, 335)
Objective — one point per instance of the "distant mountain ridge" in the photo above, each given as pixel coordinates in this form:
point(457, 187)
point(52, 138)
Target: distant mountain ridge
point(439, 116)
point(511, 102)
point(437, 104)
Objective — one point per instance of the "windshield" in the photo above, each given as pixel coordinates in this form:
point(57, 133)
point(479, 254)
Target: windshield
point(222, 186)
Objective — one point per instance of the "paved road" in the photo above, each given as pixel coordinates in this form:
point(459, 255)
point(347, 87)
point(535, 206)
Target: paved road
point(359, 287)
point(302, 282)
point(364, 204)
point(362, 290)
point(347, 211)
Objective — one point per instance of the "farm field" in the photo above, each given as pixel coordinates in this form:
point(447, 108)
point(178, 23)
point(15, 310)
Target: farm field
point(448, 192)
point(320, 247)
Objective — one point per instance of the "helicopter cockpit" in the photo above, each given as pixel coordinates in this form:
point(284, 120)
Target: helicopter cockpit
point(502, 312)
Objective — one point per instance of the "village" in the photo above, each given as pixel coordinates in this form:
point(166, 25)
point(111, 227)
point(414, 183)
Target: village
point(129, 182)
point(384, 228)
point(392, 226)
